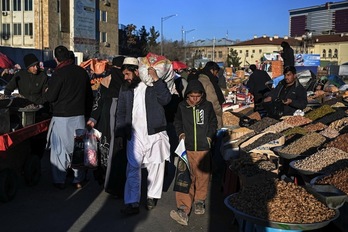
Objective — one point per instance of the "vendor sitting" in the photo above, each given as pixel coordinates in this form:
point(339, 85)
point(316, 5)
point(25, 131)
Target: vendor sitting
point(288, 96)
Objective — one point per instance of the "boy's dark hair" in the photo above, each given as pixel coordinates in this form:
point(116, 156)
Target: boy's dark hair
point(61, 53)
point(289, 69)
point(211, 65)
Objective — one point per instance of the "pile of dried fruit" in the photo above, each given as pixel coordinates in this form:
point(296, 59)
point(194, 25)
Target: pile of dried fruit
point(319, 112)
point(264, 139)
point(263, 124)
point(278, 201)
point(341, 142)
point(339, 179)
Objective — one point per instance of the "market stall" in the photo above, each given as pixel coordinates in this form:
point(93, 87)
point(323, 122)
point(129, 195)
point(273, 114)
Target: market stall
point(22, 143)
point(289, 152)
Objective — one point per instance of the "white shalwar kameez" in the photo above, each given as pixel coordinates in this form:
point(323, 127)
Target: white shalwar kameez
point(144, 151)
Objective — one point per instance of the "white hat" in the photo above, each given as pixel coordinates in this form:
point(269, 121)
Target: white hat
point(131, 61)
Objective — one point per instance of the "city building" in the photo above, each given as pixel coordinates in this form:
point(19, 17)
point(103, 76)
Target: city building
point(209, 49)
point(328, 18)
point(89, 27)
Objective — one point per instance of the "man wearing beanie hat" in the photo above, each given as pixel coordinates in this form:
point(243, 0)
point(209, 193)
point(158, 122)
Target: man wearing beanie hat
point(70, 94)
point(30, 82)
point(140, 119)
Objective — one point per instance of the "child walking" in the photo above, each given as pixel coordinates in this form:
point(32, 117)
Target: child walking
point(196, 123)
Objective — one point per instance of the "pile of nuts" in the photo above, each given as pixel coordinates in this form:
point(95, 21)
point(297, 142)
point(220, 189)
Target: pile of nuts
point(303, 144)
point(315, 126)
point(325, 161)
point(339, 124)
point(339, 179)
point(279, 201)
point(297, 120)
point(329, 133)
point(341, 142)
point(278, 127)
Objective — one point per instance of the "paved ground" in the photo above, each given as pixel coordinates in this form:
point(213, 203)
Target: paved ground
point(45, 208)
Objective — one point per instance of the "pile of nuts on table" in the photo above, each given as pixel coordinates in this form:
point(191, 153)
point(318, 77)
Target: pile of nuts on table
point(279, 201)
point(325, 161)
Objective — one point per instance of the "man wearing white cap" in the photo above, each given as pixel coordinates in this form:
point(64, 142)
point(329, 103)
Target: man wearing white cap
point(141, 120)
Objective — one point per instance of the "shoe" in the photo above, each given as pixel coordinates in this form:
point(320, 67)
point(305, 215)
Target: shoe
point(130, 209)
point(199, 207)
point(151, 203)
point(59, 185)
point(179, 216)
point(79, 185)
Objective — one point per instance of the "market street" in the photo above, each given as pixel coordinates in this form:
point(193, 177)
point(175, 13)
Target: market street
point(45, 208)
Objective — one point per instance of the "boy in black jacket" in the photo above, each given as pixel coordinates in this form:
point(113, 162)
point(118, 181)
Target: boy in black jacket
point(196, 123)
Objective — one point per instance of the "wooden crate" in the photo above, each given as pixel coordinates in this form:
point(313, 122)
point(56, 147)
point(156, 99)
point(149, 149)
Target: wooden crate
point(277, 68)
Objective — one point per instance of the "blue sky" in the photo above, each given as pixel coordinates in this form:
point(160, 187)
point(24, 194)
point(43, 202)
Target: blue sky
point(210, 19)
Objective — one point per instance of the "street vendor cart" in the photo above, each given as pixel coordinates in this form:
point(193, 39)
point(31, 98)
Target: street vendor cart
point(20, 154)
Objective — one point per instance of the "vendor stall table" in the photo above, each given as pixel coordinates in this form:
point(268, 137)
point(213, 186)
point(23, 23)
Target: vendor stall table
point(17, 157)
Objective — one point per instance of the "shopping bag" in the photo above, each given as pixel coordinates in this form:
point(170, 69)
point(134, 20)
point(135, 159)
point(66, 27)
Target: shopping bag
point(91, 148)
point(77, 158)
point(182, 182)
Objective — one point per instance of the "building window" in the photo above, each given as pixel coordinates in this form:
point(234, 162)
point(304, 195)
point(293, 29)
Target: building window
point(6, 29)
point(209, 56)
point(103, 37)
point(329, 54)
point(247, 53)
point(324, 53)
point(28, 29)
point(260, 51)
point(220, 54)
point(240, 51)
point(17, 5)
point(28, 5)
point(103, 17)
point(17, 29)
point(335, 53)
point(253, 51)
point(5, 5)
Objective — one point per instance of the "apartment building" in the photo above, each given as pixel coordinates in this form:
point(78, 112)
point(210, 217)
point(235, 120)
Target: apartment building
point(86, 26)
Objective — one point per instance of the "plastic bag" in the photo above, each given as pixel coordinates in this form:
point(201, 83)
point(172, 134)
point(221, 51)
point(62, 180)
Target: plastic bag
point(77, 158)
point(91, 148)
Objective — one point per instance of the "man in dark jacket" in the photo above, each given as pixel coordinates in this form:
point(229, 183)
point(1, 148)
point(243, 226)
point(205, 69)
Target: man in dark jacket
point(70, 94)
point(287, 97)
point(31, 82)
point(140, 119)
point(257, 86)
point(196, 123)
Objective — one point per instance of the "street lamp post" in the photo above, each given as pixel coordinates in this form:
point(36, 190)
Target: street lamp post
point(186, 32)
point(162, 20)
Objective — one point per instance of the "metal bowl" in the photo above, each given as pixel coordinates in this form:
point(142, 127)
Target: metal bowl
point(278, 225)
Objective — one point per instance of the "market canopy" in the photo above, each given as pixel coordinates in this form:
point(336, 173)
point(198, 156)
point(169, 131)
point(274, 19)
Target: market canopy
point(5, 62)
point(177, 65)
